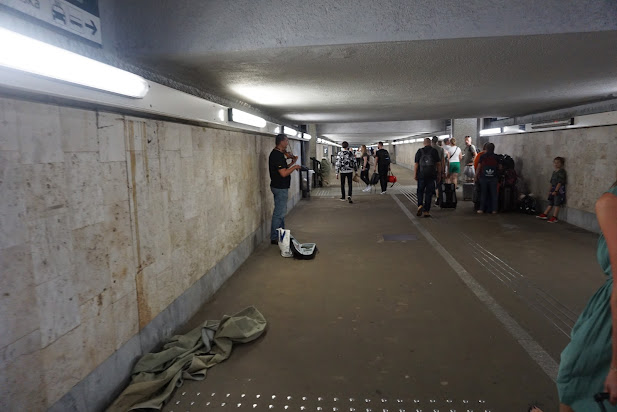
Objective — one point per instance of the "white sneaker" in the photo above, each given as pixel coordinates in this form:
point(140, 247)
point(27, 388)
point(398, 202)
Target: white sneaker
point(383, 193)
point(366, 189)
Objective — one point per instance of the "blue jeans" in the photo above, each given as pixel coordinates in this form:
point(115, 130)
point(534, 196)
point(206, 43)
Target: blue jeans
point(426, 190)
point(488, 195)
point(280, 210)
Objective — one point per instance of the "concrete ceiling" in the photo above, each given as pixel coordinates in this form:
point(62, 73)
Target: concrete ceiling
point(349, 61)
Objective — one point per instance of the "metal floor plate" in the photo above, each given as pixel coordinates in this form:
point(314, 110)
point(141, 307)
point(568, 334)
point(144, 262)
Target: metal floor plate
point(187, 401)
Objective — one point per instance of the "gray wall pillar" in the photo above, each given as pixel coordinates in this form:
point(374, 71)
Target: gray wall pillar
point(312, 152)
point(466, 127)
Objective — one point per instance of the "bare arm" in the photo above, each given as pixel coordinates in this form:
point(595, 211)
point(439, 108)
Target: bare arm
point(606, 211)
point(288, 171)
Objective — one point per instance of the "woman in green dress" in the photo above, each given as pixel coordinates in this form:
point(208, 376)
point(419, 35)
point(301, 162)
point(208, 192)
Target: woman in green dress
point(589, 362)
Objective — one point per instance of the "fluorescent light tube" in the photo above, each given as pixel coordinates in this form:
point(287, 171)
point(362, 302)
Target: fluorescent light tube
point(239, 116)
point(289, 131)
point(33, 56)
point(496, 130)
point(306, 136)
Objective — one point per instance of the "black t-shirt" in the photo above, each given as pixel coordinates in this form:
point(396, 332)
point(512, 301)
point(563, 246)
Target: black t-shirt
point(383, 158)
point(368, 162)
point(428, 170)
point(277, 162)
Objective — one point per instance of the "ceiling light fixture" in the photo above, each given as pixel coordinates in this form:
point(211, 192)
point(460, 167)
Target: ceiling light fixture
point(289, 131)
point(495, 130)
point(306, 136)
point(239, 116)
point(32, 56)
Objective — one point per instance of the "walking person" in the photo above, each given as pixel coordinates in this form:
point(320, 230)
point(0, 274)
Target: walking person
point(455, 156)
point(488, 178)
point(440, 171)
point(365, 167)
point(557, 192)
point(589, 362)
point(426, 168)
point(345, 166)
point(382, 158)
point(280, 180)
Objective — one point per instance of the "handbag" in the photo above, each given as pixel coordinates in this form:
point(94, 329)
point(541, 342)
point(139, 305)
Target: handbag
point(356, 178)
point(391, 178)
point(374, 178)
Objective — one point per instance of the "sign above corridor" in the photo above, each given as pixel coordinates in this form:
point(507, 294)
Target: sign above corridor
point(80, 17)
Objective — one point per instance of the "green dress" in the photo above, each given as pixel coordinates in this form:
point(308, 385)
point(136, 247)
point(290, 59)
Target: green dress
point(585, 362)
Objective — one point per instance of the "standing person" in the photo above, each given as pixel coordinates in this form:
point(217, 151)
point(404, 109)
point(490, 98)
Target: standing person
point(441, 171)
point(427, 167)
point(345, 166)
point(365, 167)
point(557, 192)
point(455, 156)
point(476, 161)
point(488, 178)
point(469, 155)
point(280, 180)
point(589, 362)
point(382, 158)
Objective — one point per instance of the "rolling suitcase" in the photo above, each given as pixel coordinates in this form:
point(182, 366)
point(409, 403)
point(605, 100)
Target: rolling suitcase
point(448, 196)
point(468, 189)
point(507, 199)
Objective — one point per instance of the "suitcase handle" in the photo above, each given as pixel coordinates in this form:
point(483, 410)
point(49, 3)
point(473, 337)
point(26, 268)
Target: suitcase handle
point(600, 397)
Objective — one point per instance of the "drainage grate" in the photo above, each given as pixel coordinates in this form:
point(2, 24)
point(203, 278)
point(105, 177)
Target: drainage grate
point(399, 238)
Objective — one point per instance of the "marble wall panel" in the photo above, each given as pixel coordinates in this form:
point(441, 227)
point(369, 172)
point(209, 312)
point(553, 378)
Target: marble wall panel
point(13, 226)
point(58, 309)
point(91, 260)
point(47, 189)
point(8, 125)
point(85, 194)
point(51, 243)
point(78, 130)
point(110, 136)
point(38, 132)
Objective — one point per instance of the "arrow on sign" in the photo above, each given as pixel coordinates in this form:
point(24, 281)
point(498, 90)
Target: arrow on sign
point(92, 27)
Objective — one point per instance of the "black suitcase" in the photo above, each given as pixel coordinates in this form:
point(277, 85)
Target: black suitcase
point(468, 189)
point(508, 199)
point(448, 196)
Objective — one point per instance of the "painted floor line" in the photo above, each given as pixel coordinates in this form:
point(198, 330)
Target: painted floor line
point(533, 348)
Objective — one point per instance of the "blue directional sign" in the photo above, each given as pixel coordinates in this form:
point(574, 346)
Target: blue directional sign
point(80, 17)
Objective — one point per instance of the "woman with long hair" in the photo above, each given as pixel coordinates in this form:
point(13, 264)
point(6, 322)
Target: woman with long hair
point(589, 362)
point(365, 166)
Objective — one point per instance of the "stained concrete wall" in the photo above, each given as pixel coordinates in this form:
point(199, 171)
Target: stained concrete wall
point(406, 154)
point(590, 155)
point(105, 220)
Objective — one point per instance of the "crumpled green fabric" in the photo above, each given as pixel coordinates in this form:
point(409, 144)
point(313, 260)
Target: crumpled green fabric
point(156, 375)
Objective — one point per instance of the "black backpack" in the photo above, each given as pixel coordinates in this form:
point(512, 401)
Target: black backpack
point(385, 159)
point(427, 163)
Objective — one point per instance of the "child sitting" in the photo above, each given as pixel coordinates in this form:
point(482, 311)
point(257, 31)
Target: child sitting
point(557, 195)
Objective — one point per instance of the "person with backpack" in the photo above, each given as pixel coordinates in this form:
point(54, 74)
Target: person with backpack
point(427, 170)
point(345, 166)
point(442, 171)
point(488, 178)
point(382, 158)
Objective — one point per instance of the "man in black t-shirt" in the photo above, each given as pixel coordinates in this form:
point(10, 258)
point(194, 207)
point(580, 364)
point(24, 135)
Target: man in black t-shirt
point(280, 180)
point(382, 158)
point(427, 163)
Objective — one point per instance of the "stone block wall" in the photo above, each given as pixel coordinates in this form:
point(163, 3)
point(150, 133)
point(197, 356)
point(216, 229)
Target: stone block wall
point(105, 220)
point(590, 155)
